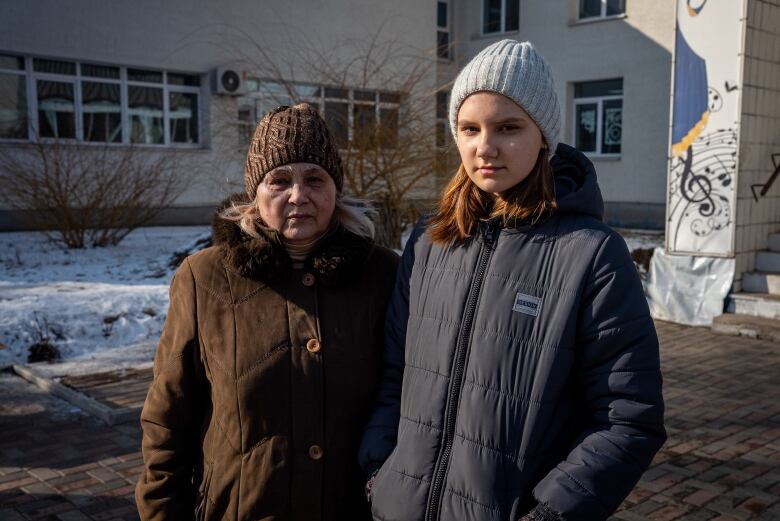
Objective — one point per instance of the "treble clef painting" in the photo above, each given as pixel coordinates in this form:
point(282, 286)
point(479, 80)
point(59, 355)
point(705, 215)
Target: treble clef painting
point(704, 141)
point(703, 181)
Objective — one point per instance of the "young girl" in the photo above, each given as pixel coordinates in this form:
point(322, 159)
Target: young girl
point(522, 376)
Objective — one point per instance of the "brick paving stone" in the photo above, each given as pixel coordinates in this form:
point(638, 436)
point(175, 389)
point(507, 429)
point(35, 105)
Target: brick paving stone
point(627, 515)
point(17, 483)
point(755, 506)
point(723, 429)
point(12, 499)
point(38, 488)
point(700, 497)
point(105, 489)
point(669, 513)
point(102, 474)
point(73, 515)
point(44, 474)
point(647, 507)
point(20, 474)
point(77, 485)
point(10, 515)
point(720, 463)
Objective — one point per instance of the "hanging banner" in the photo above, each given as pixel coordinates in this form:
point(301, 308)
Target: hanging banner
point(702, 177)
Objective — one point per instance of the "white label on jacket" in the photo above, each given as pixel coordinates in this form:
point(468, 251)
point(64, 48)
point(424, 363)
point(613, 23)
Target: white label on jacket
point(527, 304)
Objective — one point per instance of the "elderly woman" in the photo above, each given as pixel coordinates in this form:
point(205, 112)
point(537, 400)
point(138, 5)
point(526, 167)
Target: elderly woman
point(271, 350)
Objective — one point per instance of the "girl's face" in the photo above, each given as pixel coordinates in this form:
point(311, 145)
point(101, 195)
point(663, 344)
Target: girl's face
point(498, 141)
point(298, 200)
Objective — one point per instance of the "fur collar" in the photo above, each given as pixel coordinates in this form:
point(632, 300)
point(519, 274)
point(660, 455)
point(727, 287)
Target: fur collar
point(265, 259)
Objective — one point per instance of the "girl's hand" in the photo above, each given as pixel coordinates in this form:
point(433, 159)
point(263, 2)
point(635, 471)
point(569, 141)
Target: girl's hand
point(370, 485)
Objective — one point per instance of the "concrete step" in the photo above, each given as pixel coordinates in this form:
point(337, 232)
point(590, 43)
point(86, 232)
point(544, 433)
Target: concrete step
point(754, 304)
point(747, 325)
point(774, 242)
point(768, 261)
point(760, 282)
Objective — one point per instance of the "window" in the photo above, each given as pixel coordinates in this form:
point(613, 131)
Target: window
point(183, 113)
point(601, 8)
point(56, 109)
point(598, 116)
point(101, 103)
point(337, 117)
point(13, 98)
point(443, 32)
point(442, 113)
point(95, 103)
point(388, 127)
point(101, 112)
point(357, 117)
point(499, 16)
point(158, 101)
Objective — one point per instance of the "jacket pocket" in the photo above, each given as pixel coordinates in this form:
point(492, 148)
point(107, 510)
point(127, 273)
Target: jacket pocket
point(265, 490)
point(376, 487)
point(203, 493)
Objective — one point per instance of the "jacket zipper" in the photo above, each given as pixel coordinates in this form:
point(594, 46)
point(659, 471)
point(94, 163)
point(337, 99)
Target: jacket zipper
point(456, 381)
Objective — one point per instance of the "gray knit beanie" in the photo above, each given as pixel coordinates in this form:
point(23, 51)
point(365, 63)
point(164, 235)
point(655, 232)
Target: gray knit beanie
point(517, 71)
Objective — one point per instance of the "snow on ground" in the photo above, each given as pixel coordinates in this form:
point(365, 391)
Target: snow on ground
point(86, 301)
point(104, 307)
point(136, 356)
point(644, 239)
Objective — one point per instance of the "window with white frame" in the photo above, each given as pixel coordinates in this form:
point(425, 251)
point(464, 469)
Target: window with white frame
point(600, 8)
point(500, 16)
point(355, 117)
point(14, 122)
point(443, 30)
point(598, 116)
point(94, 103)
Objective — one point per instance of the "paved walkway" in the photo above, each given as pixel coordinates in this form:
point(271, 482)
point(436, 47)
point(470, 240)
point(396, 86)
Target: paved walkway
point(721, 463)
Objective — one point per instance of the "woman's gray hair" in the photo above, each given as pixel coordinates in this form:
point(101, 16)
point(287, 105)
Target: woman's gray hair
point(352, 213)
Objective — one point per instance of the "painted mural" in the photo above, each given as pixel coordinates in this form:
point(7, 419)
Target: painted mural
point(705, 113)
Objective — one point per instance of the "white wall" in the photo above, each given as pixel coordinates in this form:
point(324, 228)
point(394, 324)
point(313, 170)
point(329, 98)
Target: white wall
point(187, 34)
point(759, 133)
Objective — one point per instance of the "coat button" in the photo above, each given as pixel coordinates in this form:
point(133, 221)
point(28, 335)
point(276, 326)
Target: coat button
point(315, 452)
point(308, 279)
point(313, 345)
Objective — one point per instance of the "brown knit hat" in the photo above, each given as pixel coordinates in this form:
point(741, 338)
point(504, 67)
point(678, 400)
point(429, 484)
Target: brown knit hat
point(291, 135)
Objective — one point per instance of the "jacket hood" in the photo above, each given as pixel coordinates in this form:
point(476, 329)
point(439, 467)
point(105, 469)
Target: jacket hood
point(265, 258)
point(576, 188)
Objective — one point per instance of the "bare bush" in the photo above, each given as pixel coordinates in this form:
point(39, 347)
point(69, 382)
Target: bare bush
point(88, 195)
point(390, 158)
point(43, 348)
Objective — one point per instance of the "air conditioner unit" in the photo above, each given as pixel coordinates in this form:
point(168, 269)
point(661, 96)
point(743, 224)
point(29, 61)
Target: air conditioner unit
point(228, 82)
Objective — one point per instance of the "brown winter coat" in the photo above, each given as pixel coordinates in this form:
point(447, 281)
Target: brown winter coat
point(263, 381)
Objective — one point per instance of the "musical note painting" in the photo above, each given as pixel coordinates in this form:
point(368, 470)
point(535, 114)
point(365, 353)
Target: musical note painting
point(704, 140)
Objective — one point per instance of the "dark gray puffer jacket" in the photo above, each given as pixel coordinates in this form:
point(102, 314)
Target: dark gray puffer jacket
point(521, 371)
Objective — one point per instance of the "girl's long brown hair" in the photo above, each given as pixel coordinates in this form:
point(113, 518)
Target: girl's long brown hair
point(462, 204)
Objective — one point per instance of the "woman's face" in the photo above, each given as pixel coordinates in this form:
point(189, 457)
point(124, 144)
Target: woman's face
point(298, 200)
point(498, 141)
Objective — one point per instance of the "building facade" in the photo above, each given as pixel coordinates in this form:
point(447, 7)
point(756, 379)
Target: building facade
point(612, 61)
point(192, 78)
point(159, 76)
